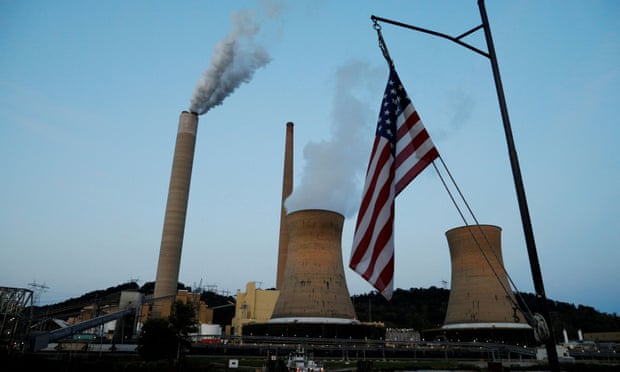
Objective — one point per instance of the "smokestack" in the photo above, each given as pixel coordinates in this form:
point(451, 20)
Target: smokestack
point(478, 293)
point(287, 189)
point(314, 288)
point(174, 221)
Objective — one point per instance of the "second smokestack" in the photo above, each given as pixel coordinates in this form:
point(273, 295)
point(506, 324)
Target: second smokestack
point(287, 189)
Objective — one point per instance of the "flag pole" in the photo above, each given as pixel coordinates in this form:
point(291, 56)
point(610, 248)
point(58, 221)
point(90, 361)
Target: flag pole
point(550, 342)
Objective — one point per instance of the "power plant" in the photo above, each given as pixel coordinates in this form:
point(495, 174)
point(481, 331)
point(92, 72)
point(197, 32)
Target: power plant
point(313, 297)
point(312, 300)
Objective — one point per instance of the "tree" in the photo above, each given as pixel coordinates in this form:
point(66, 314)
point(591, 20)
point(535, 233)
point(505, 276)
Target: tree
point(157, 340)
point(164, 338)
point(183, 321)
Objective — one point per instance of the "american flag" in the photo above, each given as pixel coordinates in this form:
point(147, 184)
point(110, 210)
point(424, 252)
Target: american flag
point(401, 150)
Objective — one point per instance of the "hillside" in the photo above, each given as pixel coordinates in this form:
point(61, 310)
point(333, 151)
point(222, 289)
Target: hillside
point(420, 308)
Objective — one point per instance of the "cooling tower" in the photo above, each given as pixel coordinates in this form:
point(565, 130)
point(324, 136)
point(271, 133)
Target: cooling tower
point(287, 189)
point(480, 295)
point(174, 220)
point(314, 288)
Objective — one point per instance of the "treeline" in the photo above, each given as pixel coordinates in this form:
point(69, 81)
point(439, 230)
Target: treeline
point(425, 308)
point(415, 308)
point(71, 306)
point(575, 317)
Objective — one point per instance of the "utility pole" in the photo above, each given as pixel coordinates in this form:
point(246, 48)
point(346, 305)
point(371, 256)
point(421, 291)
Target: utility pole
point(38, 290)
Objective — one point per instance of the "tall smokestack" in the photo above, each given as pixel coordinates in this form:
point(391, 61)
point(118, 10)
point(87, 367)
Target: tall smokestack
point(287, 189)
point(174, 220)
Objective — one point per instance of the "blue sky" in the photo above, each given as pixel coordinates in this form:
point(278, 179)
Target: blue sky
point(91, 93)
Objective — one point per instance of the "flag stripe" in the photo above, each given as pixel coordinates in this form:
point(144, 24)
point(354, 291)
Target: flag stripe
point(418, 164)
point(414, 148)
point(376, 196)
point(401, 150)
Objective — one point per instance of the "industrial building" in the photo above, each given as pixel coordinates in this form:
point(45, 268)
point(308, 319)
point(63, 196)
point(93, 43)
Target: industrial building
point(255, 305)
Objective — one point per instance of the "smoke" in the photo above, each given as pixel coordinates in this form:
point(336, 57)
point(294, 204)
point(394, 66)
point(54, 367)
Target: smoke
point(333, 172)
point(459, 105)
point(234, 61)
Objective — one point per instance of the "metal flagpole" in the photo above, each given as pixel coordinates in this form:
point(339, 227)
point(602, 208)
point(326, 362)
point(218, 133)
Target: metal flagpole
point(550, 342)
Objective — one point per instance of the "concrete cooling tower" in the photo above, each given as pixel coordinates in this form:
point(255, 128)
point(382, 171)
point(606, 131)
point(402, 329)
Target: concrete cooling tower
point(314, 287)
point(481, 304)
point(314, 300)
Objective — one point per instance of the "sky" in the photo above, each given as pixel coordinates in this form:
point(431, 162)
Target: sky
point(91, 93)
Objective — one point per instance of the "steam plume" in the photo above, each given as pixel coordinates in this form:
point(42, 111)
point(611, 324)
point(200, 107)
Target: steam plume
point(234, 61)
point(333, 170)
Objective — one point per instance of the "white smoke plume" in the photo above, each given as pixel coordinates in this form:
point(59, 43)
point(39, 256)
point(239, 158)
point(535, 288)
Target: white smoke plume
point(234, 61)
point(333, 172)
